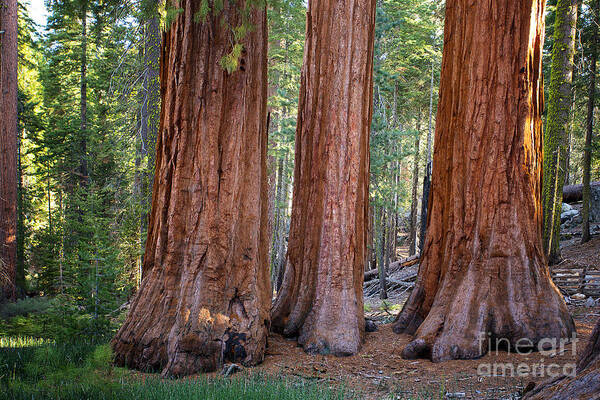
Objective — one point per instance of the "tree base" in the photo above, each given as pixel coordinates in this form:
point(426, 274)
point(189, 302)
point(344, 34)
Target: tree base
point(584, 386)
point(334, 328)
point(474, 314)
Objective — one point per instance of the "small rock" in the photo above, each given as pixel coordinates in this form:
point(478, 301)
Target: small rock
point(590, 302)
point(578, 296)
point(568, 215)
point(230, 369)
point(566, 207)
point(370, 326)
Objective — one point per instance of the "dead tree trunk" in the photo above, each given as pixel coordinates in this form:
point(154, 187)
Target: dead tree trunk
point(321, 298)
point(8, 148)
point(586, 385)
point(483, 268)
point(205, 295)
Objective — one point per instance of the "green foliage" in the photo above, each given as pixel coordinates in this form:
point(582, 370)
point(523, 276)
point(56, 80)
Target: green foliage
point(25, 307)
point(171, 13)
point(581, 77)
point(230, 61)
point(407, 46)
point(80, 233)
point(38, 369)
point(59, 319)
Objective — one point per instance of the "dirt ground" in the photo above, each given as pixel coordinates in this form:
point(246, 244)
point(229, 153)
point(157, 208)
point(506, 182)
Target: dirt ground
point(378, 371)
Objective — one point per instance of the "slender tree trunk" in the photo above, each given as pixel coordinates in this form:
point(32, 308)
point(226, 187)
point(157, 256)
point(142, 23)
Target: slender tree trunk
point(83, 164)
point(278, 232)
point(20, 272)
point(568, 178)
point(150, 112)
point(589, 132)
point(8, 148)
point(428, 166)
point(483, 267)
point(372, 257)
point(391, 239)
point(321, 299)
point(557, 126)
point(415, 185)
point(205, 296)
point(382, 257)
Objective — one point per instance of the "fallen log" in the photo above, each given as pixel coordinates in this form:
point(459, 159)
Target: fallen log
point(371, 274)
point(574, 193)
point(405, 281)
point(407, 262)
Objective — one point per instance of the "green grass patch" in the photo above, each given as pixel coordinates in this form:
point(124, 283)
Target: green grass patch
point(33, 369)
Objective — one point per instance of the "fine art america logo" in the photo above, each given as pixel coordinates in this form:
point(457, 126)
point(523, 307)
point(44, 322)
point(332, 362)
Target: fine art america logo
point(547, 348)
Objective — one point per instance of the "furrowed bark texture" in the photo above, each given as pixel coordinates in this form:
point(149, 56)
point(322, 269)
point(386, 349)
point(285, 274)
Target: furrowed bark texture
point(483, 268)
point(205, 296)
point(584, 386)
point(321, 298)
point(556, 145)
point(8, 148)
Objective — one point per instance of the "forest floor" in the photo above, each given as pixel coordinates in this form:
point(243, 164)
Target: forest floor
point(379, 372)
point(45, 368)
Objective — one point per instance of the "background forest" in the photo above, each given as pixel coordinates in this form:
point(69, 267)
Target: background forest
point(89, 105)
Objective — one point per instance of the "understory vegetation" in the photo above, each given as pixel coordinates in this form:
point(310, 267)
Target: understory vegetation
point(45, 354)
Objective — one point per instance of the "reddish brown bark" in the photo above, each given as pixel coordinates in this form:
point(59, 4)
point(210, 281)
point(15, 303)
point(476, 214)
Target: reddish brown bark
point(205, 296)
point(483, 268)
point(8, 148)
point(585, 386)
point(321, 298)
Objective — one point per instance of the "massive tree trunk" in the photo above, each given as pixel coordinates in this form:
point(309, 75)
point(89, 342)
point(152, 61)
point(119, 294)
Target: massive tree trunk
point(205, 295)
point(483, 268)
point(589, 132)
point(321, 298)
point(556, 145)
point(8, 148)
point(584, 386)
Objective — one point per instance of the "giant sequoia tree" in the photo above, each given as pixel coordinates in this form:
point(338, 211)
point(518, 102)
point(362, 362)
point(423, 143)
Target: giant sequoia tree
point(483, 268)
point(205, 295)
point(557, 123)
point(321, 296)
point(8, 147)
